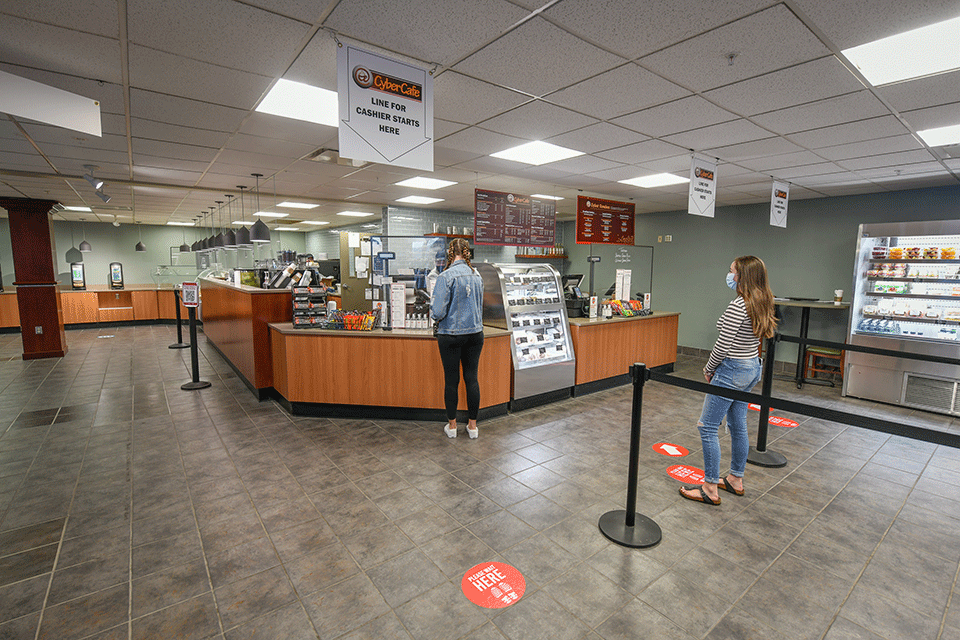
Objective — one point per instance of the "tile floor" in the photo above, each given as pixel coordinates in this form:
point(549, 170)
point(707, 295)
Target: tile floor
point(132, 509)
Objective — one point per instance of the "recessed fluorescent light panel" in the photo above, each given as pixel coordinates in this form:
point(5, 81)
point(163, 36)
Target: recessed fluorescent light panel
point(314, 222)
point(173, 223)
point(354, 214)
point(298, 205)
point(656, 180)
point(537, 153)
point(301, 102)
point(424, 183)
point(941, 136)
point(287, 229)
point(270, 214)
point(419, 200)
point(545, 197)
point(911, 54)
point(78, 208)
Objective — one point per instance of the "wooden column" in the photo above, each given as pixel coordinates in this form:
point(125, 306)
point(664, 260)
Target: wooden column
point(35, 266)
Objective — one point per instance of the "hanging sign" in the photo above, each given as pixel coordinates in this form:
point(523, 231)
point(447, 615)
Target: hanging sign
point(669, 449)
point(778, 204)
point(703, 187)
point(386, 109)
point(513, 219)
point(602, 221)
point(683, 473)
point(493, 585)
point(190, 294)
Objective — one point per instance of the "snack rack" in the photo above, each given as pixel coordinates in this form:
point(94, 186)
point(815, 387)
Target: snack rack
point(309, 306)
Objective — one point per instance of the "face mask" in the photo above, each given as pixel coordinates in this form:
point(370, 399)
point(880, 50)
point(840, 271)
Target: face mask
point(731, 282)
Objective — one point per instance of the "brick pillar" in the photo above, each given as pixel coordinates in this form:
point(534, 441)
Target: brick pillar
point(35, 267)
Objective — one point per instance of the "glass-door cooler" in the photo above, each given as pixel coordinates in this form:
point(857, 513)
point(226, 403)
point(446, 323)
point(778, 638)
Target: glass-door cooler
point(527, 300)
point(906, 297)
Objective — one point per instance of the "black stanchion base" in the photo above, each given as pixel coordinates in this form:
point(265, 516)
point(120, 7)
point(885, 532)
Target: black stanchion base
point(766, 458)
point(179, 345)
point(644, 532)
point(193, 386)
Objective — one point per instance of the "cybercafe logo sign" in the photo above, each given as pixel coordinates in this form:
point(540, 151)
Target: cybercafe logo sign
point(510, 197)
point(780, 194)
point(706, 174)
point(369, 79)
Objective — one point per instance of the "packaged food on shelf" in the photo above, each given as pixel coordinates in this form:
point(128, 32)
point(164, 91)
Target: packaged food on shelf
point(879, 253)
point(931, 253)
point(895, 253)
point(948, 253)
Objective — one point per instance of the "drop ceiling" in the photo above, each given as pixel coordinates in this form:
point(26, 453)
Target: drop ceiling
point(636, 86)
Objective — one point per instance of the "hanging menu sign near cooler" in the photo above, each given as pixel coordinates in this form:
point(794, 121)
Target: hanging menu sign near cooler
point(512, 219)
point(604, 221)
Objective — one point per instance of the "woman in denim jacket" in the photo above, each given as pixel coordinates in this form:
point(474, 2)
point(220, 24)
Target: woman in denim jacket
point(456, 306)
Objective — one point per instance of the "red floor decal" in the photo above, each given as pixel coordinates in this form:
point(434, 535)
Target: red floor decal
point(493, 585)
point(668, 449)
point(684, 473)
point(774, 420)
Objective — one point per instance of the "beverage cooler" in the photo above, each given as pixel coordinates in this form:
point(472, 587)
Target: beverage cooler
point(526, 299)
point(906, 297)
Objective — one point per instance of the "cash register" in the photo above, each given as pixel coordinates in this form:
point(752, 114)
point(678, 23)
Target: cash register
point(578, 305)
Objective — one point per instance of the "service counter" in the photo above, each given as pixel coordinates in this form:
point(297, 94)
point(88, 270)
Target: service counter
point(395, 374)
point(101, 304)
point(606, 348)
point(235, 319)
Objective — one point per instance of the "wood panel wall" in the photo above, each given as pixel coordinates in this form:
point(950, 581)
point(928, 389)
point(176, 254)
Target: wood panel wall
point(608, 349)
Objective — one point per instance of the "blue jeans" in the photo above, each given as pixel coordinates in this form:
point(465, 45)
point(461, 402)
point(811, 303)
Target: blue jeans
point(732, 374)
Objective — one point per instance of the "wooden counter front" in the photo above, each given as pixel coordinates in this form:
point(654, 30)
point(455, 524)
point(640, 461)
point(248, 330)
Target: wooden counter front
point(235, 319)
point(379, 369)
point(607, 348)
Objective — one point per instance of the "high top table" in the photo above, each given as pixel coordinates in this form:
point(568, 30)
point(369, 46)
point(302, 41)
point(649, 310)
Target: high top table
point(805, 306)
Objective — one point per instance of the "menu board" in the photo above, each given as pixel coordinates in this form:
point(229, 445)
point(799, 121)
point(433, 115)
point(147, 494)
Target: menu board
point(512, 219)
point(604, 221)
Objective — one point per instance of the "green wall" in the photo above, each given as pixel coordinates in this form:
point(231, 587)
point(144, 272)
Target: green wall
point(810, 258)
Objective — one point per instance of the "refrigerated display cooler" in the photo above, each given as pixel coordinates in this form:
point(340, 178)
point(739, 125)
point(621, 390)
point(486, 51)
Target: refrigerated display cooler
point(527, 300)
point(906, 298)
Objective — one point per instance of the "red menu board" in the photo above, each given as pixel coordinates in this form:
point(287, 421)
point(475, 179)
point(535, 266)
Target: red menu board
point(512, 219)
point(604, 221)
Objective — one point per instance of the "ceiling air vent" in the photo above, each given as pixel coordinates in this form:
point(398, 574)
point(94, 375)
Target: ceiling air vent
point(332, 156)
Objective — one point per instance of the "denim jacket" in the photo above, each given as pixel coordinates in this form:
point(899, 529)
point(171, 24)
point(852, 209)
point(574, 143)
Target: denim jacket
point(462, 288)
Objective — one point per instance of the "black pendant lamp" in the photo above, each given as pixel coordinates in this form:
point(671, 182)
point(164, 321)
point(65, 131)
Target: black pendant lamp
point(84, 246)
point(196, 243)
point(243, 233)
point(218, 239)
point(140, 247)
point(229, 236)
point(259, 232)
point(212, 240)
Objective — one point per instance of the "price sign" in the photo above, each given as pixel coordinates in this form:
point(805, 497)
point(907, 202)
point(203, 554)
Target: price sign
point(190, 294)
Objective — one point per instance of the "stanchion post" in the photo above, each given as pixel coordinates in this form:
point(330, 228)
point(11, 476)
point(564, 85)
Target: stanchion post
point(179, 344)
point(759, 455)
point(197, 383)
point(626, 527)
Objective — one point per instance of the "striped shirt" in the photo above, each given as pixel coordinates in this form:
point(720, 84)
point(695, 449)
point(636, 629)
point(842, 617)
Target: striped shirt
point(736, 336)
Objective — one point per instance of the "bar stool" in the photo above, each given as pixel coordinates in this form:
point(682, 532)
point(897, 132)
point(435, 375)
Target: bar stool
point(824, 360)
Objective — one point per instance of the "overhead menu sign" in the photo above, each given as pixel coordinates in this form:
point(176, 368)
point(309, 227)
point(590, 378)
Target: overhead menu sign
point(386, 109)
point(513, 219)
point(703, 187)
point(779, 198)
point(604, 221)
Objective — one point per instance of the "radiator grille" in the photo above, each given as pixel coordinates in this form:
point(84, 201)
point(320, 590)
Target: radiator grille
point(930, 393)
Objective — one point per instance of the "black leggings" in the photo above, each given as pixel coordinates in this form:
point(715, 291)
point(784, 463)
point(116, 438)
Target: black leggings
point(454, 351)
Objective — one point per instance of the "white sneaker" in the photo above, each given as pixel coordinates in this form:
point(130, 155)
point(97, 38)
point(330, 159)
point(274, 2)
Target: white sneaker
point(473, 433)
point(451, 433)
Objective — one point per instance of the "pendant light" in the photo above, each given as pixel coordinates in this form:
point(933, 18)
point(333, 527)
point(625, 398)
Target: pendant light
point(84, 246)
point(229, 235)
point(218, 239)
point(140, 247)
point(259, 232)
point(243, 233)
point(196, 243)
point(212, 239)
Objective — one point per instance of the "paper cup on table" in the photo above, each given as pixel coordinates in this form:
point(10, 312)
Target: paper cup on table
point(837, 296)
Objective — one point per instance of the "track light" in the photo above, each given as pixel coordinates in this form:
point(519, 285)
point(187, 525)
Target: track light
point(103, 196)
point(96, 183)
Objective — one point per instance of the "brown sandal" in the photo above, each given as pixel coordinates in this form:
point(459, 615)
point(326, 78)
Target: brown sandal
point(704, 498)
point(726, 486)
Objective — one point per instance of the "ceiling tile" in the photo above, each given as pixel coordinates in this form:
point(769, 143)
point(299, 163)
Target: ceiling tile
point(784, 161)
point(266, 125)
point(874, 128)
point(640, 152)
point(178, 76)
point(755, 149)
point(455, 98)
point(617, 24)
point(617, 92)
point(443, 128)
point(160, 162)
point(719, 135)
point(157, 174)
point(480, 141)
point(763, 42)
point(43, 46)
point(900, 171)
point(425, 31)
point(849, 22)
point(444, 157)
point(859, 105)
point(680, 115)
point(932, 91)
point(816, 80)
point(583, 164)
point(537, 120)
point(886, 160)
point(151, 130)
point(597, 137)
point(173, 150)
point(809, 170)
point(540, 46)
point(932, 117)
point(870, 148)
point(317, 63)
point(269, 146)
point(99, 17)
point(227, 34)
point(174, 110)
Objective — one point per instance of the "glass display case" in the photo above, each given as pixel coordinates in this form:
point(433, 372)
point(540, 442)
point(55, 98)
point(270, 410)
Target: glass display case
point(527, 300)
point(906, 297)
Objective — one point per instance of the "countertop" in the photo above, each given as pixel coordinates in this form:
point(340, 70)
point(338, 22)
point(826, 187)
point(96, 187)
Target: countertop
point(586, 322)
point(286, 328)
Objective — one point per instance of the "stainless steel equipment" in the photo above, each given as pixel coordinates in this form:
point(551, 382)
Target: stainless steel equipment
point(906, 297)
point(527, 300)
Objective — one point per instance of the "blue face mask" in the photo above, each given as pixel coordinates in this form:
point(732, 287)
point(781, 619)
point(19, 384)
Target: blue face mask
point(731, 282)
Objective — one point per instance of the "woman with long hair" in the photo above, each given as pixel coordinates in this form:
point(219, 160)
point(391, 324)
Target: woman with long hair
point(733, 364)
point(456, 305)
